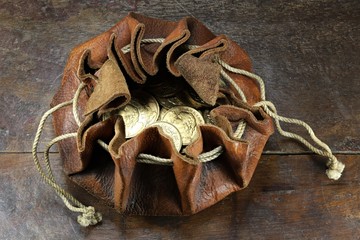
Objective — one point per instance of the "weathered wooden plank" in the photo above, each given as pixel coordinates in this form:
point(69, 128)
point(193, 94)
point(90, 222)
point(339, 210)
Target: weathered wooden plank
point(306, 51)
point(289, 197)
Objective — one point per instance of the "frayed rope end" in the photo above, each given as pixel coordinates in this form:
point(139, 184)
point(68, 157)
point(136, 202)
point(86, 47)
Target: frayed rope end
point(335, 170)
point(89, 217)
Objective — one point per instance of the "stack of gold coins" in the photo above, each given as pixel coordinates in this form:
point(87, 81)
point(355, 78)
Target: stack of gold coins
point(173, 107)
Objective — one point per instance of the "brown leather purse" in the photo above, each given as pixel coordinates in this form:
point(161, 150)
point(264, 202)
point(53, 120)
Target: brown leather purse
point(189, 185)
point(104, 72)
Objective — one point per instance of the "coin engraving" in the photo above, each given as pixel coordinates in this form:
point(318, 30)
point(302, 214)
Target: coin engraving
point(149, 110)
point(140, 112)
point(186, 120)
point(171, 131)
point(131, 114)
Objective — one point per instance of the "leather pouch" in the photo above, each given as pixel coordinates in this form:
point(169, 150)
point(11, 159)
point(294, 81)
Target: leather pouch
point(121, 61)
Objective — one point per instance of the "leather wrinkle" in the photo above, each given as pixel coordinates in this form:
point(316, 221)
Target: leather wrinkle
point(188, 186)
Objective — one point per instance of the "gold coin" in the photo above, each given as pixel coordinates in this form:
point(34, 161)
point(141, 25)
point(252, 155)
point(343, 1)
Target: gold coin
point(196, 97)
point(192, 99)
point(131, 115)
point(139, 113)
point(186, 120)
point(171, 131)
point(162, 113)
point(150, 110)
point(106, 116)
point(167, 88)
point(170, 102)
point(208, 119)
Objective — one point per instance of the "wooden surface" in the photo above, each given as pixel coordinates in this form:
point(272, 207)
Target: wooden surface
point(306, 51)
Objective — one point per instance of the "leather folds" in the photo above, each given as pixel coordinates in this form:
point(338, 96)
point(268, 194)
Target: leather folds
point(118, 62)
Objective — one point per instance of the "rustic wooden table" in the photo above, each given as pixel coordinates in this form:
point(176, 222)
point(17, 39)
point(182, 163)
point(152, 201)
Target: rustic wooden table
point(307, 52)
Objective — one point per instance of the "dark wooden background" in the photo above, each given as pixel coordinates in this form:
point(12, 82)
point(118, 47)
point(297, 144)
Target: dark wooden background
point(308, 53)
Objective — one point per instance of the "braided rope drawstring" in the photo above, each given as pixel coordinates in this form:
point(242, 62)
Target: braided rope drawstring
point(89, 216)
point(127, 48)
point(242, 124)
point(335, 167)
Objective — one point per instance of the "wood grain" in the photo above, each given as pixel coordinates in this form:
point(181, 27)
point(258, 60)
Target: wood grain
point(306, 51)
point(289, 197)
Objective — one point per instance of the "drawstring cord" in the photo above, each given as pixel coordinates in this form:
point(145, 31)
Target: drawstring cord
point(335, 167)
point(88, 214)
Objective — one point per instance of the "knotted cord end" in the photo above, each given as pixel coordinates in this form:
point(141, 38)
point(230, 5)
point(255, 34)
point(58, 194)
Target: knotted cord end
point(335, 169)
point(89, 217)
